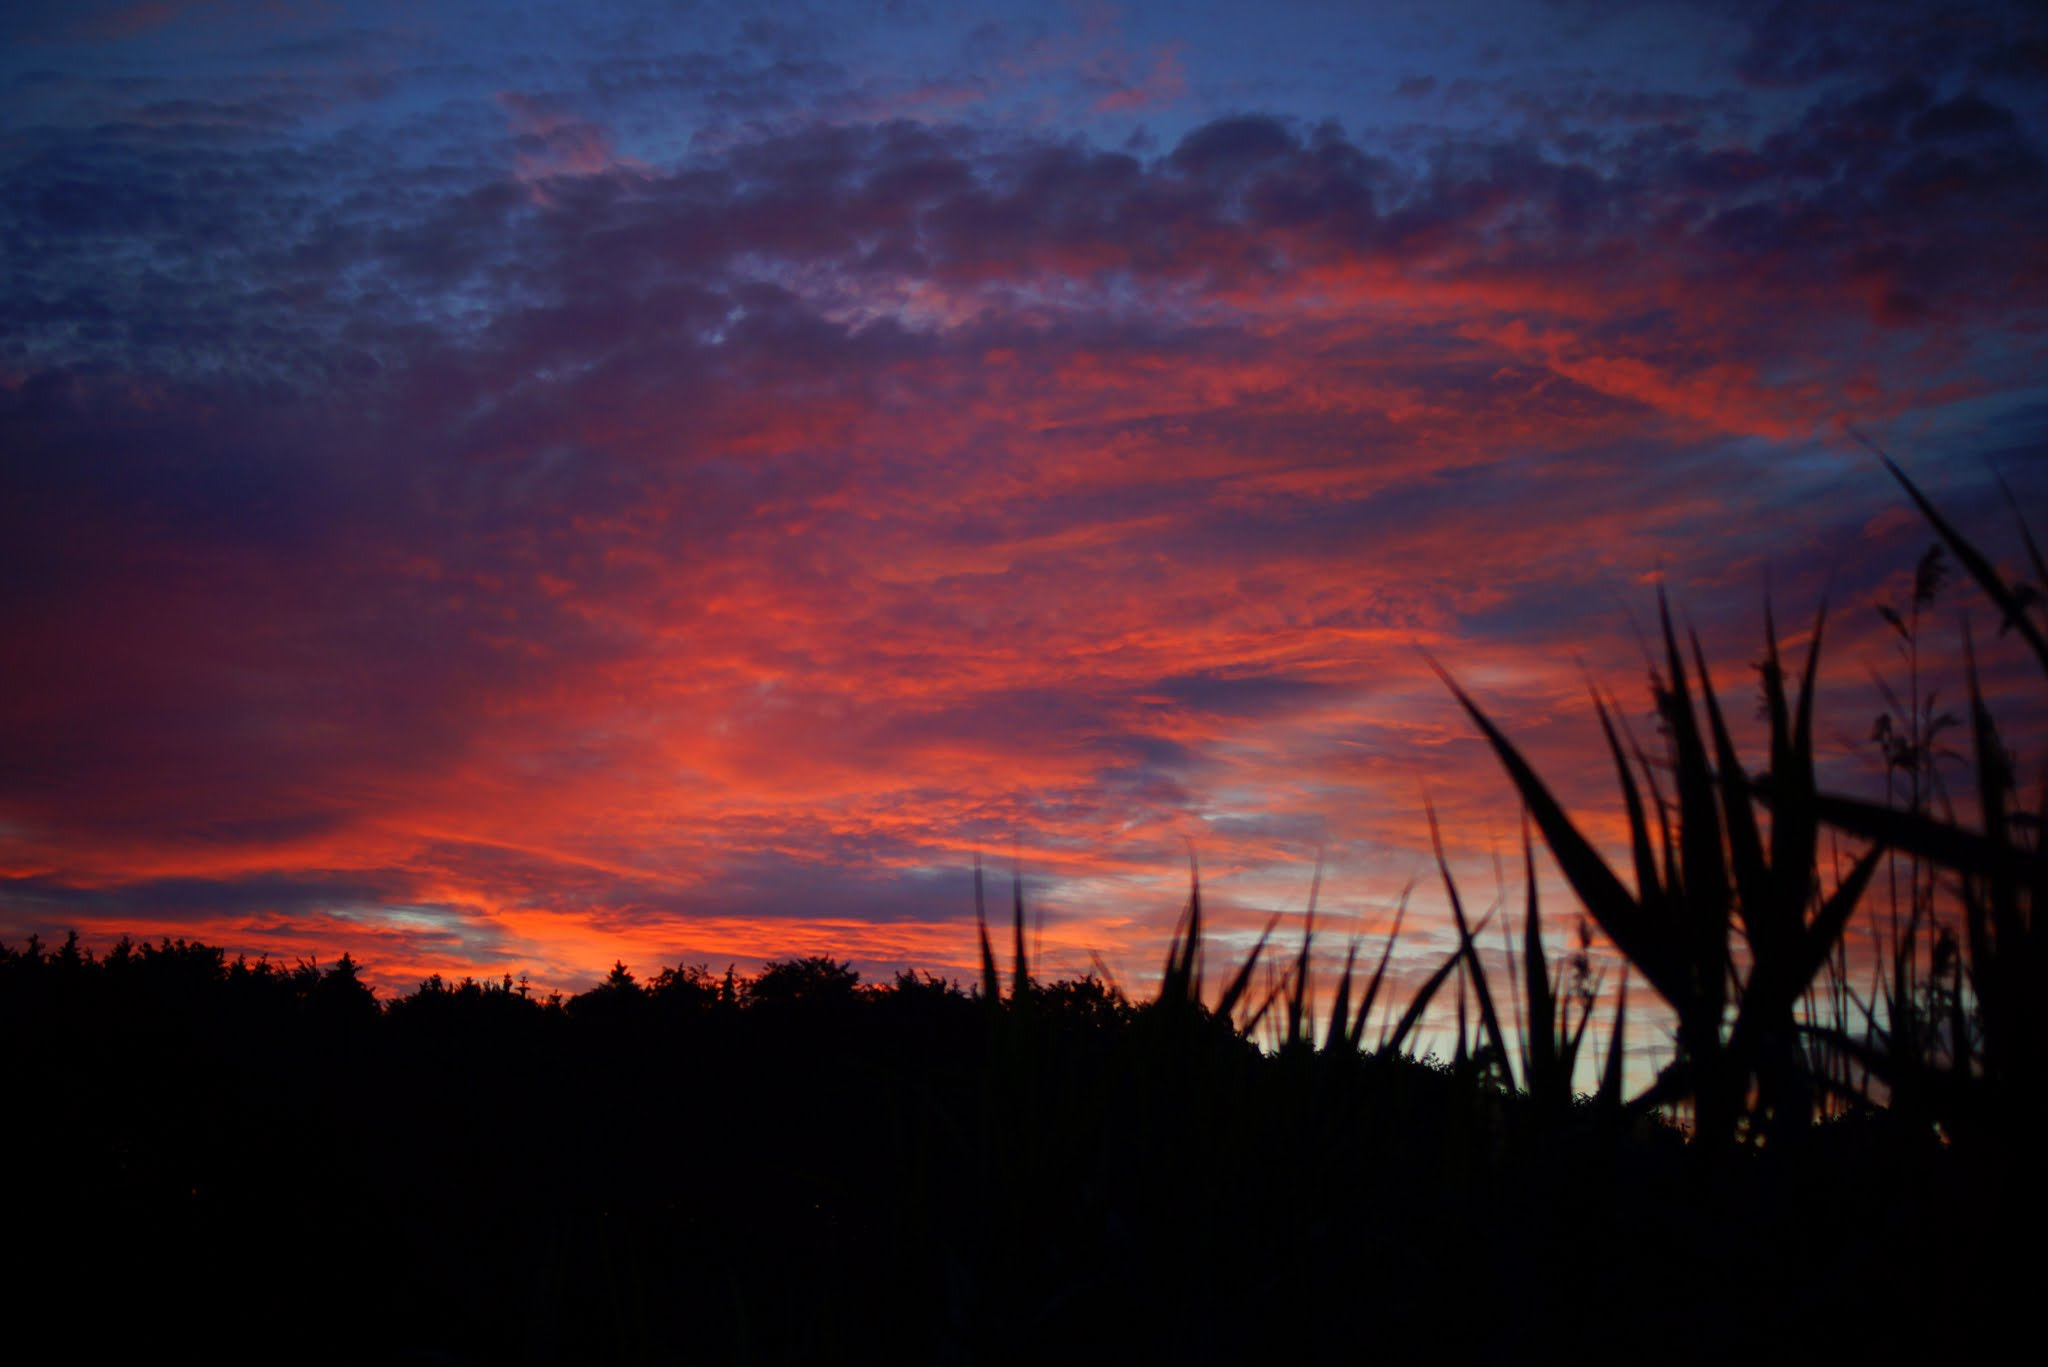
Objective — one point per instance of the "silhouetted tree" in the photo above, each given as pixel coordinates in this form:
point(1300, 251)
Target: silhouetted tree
point(616, 1000)
point(913, 986)
point(814, 980)
point(342, 994)
point(684, 991)
point(1085, 1002)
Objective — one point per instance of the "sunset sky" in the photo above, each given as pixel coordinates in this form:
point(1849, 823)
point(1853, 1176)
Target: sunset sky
point(508, 487)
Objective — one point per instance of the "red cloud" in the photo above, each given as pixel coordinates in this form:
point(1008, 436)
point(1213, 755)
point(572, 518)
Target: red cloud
point(708, 563)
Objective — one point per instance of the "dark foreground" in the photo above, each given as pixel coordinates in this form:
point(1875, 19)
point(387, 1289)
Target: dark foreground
point(269, 1164)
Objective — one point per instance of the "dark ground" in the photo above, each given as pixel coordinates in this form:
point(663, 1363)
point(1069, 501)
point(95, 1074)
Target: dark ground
point(248, 1163)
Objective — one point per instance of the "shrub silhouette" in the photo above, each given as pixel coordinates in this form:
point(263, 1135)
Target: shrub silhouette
point(814, 981)
point(685, 991)
point(619, 1001)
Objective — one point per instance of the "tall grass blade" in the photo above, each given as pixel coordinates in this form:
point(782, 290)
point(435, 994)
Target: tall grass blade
point(1951, 846)
point(1234, 990)
point(1608, 1099)
point(1994, 781)
point(1297, 993)
point(1795, 824)
point(1833, 918)
point(1102, 971)
point(1275, 989)
point(1337, 1031)
point(1423, 996)
point(2034, 555)
point(1488, 1017)
point(1539, 1052)
point(1745, 844)
point(1463, 1051)
point(1973, 560)
point(1180, 981)
point(1515, 1024)
point(1297, 998)
point(991, 981)
point(1379, 973)
point(1612, 908)
point(1776, 985)
point(1020, 985)
point(2000, 974)
point(1704, 896)
point(1648, 886)
point(1570, 1062)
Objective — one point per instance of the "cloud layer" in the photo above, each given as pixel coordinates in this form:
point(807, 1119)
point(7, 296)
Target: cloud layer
point(674, 502)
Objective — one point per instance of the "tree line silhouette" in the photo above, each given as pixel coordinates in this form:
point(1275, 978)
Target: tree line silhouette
point(799, 1166)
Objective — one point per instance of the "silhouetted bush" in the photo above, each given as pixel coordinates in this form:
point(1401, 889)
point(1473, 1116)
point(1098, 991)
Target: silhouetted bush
point(815, 982)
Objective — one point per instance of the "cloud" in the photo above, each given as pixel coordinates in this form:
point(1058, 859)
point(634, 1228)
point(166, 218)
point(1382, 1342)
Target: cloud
point(447, 523)
point(1163, 83)
point(100, 20)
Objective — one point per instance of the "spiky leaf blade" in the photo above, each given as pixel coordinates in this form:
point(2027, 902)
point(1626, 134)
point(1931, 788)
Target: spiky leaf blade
point(1973, 560)
point(991, 981)
point(1488, 1017)
point(1540, 1064)
point(1606, 900)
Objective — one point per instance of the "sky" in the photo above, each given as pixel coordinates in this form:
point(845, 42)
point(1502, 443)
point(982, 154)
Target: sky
point(509, 487)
